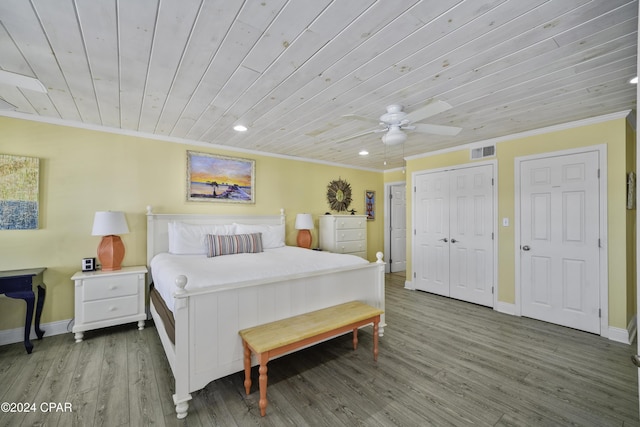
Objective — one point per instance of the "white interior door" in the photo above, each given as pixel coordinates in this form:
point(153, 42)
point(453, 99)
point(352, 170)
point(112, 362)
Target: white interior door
point(431, 247)
point(454, 221)
point(471, 234)
point(398, 228)
point(560, 232)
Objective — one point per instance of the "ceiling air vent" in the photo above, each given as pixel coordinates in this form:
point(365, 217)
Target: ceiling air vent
point(482, 152)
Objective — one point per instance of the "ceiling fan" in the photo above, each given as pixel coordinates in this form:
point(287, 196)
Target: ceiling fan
point(395, 122)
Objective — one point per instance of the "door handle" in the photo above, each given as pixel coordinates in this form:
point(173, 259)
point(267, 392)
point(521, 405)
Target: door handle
point(444, 239)
point(635, 359)
point(525, 248)
point(454, 240)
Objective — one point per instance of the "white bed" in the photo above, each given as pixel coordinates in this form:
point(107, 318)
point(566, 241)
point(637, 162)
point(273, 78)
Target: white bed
point(208, 316)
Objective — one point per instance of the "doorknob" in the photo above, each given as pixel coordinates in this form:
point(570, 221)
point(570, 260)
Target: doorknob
point(444, 239)
point(454, 240)
point(635, 359)
point(525, 248)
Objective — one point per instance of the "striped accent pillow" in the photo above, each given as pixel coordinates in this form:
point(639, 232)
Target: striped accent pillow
point(233, 244)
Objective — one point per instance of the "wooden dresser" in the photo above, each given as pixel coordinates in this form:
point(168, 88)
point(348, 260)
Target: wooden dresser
point(345, 234)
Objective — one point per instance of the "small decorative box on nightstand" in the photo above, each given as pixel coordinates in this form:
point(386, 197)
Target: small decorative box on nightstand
point(108, 298)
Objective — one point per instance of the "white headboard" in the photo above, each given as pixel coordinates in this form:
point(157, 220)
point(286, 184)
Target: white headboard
point(158, 226)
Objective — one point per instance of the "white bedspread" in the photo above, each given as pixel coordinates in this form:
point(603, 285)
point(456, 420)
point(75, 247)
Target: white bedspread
point(203, 272)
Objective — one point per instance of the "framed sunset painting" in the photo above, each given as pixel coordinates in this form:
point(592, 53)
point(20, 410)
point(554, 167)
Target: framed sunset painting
point(213, 178)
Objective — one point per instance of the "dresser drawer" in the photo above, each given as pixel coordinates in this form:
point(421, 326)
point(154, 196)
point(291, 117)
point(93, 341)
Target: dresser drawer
point(346, 222)
point(350, 247)
point(106, 287)
point(110, 309)
point(349, 235)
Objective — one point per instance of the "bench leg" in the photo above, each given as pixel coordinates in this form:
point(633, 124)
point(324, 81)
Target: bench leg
point(247, 367)
point(375, 338)
point(264, 358)
point(355, 338)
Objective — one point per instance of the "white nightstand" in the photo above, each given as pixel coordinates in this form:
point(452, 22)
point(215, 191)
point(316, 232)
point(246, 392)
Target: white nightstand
point(108, 298)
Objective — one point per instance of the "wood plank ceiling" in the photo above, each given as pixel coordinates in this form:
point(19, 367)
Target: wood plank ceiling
point(289, 70)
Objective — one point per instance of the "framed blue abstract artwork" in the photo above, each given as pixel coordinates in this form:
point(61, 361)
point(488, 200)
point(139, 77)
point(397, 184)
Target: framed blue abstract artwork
point(19, 179)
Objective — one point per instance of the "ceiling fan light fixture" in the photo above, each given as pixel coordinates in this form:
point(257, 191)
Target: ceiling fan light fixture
point(394, 136)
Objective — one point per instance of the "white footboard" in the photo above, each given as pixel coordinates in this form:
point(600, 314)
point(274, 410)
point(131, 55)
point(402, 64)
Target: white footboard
point(207, 322)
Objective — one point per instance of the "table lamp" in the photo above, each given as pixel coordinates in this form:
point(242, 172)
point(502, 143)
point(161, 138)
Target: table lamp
point(304, 223)
point(111, 248)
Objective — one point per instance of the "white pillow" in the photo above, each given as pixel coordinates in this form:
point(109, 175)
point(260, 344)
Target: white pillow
point(190, 239)
point(272, 235)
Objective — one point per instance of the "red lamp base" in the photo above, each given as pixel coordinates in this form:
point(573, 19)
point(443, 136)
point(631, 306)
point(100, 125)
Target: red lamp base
point(111, 252)
point(304, 239)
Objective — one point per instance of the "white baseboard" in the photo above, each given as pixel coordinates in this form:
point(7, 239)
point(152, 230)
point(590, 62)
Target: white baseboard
point(632, 327)
point(408, 284)
point(625, 336)
point(506, 308)
point(10, 336)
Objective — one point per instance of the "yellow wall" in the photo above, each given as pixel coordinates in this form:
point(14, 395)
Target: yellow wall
point(616, 135)
point(83, 171)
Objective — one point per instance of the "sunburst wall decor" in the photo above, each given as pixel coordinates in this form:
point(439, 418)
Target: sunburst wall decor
point(339, 195)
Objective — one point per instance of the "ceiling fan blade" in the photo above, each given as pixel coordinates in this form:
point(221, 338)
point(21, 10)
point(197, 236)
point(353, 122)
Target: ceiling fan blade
point(24, 82)
point(4, 105)
point(358, 135)
point(431, 109)
point(436, 129)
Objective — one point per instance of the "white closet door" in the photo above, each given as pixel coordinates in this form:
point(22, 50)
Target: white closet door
point(398, 259)
point(471, 234)
point(454, 222)
point(560, 214)
point(431, 247)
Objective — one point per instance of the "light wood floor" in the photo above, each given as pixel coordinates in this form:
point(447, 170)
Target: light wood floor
point(442, 362)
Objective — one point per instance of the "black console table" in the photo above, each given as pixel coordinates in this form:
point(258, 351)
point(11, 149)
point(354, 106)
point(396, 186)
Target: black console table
point(20, 284)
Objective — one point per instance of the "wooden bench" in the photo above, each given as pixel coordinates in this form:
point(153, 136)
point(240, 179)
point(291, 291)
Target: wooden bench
point(276, 338)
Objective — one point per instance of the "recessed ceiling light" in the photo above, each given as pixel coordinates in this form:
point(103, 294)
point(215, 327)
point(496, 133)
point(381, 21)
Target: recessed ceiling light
point(364, 153)
point(240, 128)
point(634, 80)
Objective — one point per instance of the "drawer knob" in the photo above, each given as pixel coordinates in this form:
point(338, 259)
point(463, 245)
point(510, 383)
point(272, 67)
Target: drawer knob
point(113, 287)
point(112, 308)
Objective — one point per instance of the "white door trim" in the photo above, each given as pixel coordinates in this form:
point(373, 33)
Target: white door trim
point(603, 259)
point(494, 162)
point(386, 225)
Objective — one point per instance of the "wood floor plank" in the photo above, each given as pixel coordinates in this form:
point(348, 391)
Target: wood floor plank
point(144, 402)
point(441, 362)
point(24, 387)
point(51, 400)
point(86, 376)
point(113, 390)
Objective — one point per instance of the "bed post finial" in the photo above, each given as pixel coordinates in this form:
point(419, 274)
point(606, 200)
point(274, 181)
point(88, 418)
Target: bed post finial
point(149, 210)
point(379, 255)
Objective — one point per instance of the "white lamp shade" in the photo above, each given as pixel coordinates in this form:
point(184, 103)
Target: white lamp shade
point(109, 223)
point(304, 222)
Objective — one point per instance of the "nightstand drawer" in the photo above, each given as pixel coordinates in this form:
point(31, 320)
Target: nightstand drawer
point(109, 309)
point(107, 287)
point(349, 235)
point(345, 222)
